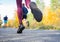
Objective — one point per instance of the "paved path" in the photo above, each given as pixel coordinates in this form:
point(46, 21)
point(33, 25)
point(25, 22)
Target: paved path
point(10, 35)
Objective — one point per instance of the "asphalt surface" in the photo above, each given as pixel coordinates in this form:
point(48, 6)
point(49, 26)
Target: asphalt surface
point(10, 35)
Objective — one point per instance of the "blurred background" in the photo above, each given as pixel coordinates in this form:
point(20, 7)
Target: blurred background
point(49, 8)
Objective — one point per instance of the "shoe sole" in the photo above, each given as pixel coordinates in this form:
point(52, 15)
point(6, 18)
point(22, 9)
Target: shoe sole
point(20, 30)
point(36, 12)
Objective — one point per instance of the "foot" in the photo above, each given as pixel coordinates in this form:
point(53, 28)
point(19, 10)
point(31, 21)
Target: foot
point(36, 12)
point(20, 29)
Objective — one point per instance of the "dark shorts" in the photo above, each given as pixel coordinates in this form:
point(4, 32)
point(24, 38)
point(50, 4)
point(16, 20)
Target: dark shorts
point(24, 16)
